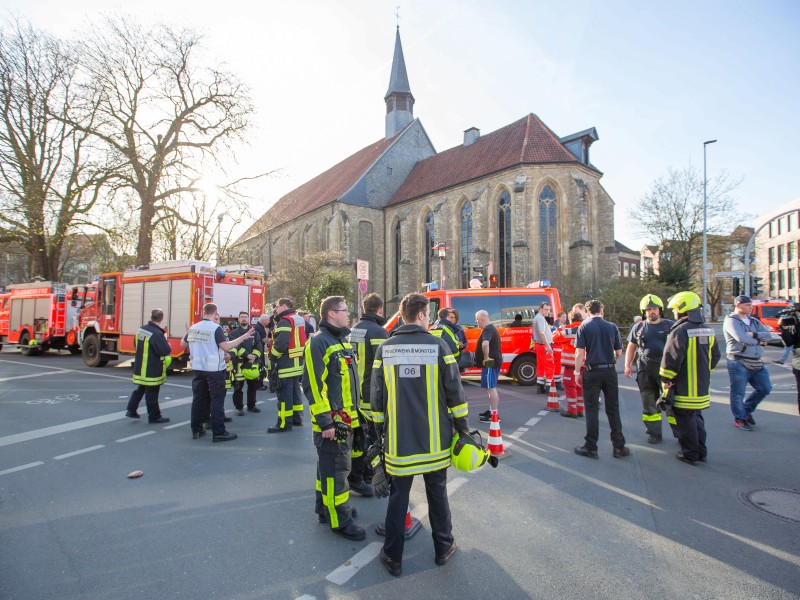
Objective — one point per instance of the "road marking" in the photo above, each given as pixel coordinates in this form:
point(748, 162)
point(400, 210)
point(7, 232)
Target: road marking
point(95, 373)
point(776, 552)
point(533, 421)
point(556, 448)
point(542, 413)
point(68, 454)
point(33, 375)
point(306, 597)
point(455, 484)
point(133, 437)
point(22, 467)
point(342, 574)
point(65, 427)
point(181, 424)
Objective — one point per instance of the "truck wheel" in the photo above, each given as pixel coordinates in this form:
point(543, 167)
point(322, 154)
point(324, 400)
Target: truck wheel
point(91, 351)
point(523, 370)
point(24, 348)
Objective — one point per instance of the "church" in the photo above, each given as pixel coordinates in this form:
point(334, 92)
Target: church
point(521, 200)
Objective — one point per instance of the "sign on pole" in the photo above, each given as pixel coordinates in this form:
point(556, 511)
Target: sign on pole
point(362, 269)
point(362, 286)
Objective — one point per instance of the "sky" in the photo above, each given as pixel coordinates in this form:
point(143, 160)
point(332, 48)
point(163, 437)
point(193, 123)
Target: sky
point(656, 79)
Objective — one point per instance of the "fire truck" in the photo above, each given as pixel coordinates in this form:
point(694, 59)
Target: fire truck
point(503, 306)
point(118, 304)
point(39, 316)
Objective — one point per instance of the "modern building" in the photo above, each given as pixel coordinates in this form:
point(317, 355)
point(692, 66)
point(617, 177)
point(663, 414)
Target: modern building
point(521, 198)
point(628, 261)
point(777, 248)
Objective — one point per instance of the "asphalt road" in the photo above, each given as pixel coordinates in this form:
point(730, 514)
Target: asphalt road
point(235, 520)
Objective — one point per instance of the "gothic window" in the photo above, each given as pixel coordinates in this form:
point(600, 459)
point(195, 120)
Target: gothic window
point(504, 237)
point(428, 250)
point(548, 234)
point(466, 244)
point(397, 256)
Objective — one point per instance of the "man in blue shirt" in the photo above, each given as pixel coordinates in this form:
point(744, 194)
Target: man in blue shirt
point(597, 347)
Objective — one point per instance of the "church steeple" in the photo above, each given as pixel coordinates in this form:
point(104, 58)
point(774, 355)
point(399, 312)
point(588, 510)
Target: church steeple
point(399, 100)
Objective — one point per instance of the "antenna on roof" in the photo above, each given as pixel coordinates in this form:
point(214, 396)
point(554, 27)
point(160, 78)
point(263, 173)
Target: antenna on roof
point(397, 14)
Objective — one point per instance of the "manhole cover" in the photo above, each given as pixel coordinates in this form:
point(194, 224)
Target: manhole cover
point(784, 504)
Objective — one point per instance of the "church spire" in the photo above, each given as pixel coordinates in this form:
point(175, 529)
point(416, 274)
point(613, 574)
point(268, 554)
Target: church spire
point(399, 100)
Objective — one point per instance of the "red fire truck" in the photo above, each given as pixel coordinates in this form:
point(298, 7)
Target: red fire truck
point(39, 316)
point(503, 305)
point(121, 302)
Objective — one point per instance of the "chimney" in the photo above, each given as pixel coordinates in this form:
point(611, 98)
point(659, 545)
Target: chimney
point(471, 135)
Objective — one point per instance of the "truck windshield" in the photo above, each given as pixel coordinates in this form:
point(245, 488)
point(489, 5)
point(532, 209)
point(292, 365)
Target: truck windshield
point(771, 312)
point(501, 309)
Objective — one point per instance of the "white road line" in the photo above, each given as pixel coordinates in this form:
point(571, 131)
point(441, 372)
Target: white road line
point(63, 428)
point(342, 574)
point(68, 454)
point(420, 511)
point(181, 424)
point(306, 597)
point(533, 421)
point(94, 372)
point(32, 375)
point(22, 467)
point(542, 413)
point(556, 448)
point(133, 437)
point(452, 486)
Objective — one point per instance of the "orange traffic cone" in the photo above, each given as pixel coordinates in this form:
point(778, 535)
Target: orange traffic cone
point(552, 398)
point(412, 526)
point(495, 445)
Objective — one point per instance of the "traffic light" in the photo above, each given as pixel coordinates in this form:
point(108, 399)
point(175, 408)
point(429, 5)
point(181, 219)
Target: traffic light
point(737, 287)
point(756, 287)
point(493, 280)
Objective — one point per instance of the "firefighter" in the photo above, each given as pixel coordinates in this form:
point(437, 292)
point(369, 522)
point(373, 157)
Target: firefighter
point(261, 329)
point(646, 344)
point(150, 367)
point(565, 338)
point(331, 384)
point(445, 328)
point(542, 346)
point(417, 398)
point(690, 354)
point(286, 356)
point(365, 337)
point(245, 356)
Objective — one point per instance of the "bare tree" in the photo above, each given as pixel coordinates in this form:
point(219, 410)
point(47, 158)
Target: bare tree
point(50, 175)
point(308, 279)
point(670, 215)
point(165, 115)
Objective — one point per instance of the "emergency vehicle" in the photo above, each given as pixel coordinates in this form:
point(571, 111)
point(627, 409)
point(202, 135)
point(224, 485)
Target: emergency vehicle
point(503, 305)
point(118, 303)
point(767, 311)
point(39, 316)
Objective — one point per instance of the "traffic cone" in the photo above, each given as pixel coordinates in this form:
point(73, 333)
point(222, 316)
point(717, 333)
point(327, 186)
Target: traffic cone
point(495, 445)
point(412, 526)
point(552, 398)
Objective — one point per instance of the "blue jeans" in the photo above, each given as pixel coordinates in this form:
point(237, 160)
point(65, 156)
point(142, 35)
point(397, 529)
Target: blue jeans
point(740, 376)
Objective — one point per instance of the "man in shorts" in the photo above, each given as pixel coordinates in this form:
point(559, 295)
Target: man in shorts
point(490, 358)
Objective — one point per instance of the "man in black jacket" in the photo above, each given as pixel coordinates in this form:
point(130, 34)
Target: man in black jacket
point(245, 356)
point(149, 368)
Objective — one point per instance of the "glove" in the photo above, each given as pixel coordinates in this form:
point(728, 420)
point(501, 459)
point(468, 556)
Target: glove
point(381, 482)
point(275, 384)
point(359, 440)
point(667, 398)
point(341, 426)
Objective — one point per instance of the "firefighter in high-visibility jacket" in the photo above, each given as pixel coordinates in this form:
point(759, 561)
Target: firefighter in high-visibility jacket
point(150, 368)
point(331, 384)
point(365, 338)
point(417, 399)
point(446, 329)
point(245, 356)
point(286, 356)
point(565, 338)
point(690, 354)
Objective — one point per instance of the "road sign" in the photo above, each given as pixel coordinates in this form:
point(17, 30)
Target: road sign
point(730, 274)
point(362, 269)
point(362, 286)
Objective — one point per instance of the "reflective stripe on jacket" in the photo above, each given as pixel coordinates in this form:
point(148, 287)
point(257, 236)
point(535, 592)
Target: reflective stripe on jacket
point(444, 329)
point(690, 354)
point(288, 341)
point(239, 354)
point(151, 348)
point(416, 390)
point(365, 337)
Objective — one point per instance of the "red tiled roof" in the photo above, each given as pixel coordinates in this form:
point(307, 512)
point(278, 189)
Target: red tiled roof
point(323, 189)
point(525, 141)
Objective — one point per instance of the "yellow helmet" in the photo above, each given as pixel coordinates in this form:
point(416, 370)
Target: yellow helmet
point(33, 343)
point(251, 372)
point(651, 301)
point(467, 454)
point(684, 302)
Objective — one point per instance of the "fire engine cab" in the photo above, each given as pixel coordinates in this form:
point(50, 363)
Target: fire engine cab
point(118, 304)
point(39, 316)
point(503, 306)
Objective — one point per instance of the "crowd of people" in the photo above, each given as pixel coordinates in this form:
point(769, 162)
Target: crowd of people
point(385, 407)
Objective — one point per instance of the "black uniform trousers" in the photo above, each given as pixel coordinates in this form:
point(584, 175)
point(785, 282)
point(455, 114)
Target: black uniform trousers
point(238, 386)
point(208, 393)
point(150, 395)
point(594, 382)
point(691, 433)
point(332, 489)
point(438, 514)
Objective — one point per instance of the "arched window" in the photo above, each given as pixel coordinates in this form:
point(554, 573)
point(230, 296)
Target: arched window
point(466, 244)
point(504, 237)
point(428, 250)
point(397, 256)
point(548, 234)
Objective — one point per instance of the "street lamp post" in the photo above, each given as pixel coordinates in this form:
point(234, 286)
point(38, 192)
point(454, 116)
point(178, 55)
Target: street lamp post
point(706, 307)
point(441, 249)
